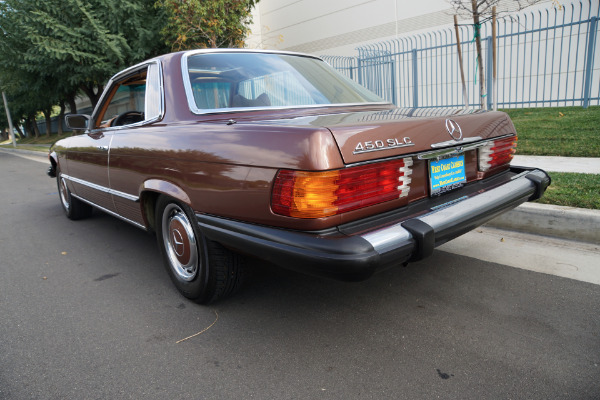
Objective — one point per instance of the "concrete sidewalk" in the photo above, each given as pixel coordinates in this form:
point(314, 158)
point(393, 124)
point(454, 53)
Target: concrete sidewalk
point(541, 219)
point(585, 165)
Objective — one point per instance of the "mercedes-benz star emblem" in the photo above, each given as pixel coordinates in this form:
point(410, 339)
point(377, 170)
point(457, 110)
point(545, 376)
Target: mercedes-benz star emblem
point(454, 129)
point(178, 245)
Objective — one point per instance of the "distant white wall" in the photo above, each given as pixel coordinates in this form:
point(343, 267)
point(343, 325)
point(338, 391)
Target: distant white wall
point(331, 26)
point(337, 27)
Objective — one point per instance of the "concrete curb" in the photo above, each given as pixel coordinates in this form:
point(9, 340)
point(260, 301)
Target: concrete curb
point(549, 220)
point(570, 223)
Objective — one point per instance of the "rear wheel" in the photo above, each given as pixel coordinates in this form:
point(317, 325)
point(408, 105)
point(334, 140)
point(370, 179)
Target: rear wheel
point(73, 208)
point(201, 269)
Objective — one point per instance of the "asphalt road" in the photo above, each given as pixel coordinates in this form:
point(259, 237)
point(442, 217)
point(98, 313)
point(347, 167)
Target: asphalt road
point(88, 312)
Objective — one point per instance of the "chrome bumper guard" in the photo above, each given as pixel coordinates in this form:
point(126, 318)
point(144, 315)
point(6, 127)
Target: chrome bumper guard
point(446, 223)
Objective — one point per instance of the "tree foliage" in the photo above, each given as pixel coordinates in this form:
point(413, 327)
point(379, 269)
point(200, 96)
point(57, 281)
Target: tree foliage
point(206, 23)
point(483, 8)
point(53, 49)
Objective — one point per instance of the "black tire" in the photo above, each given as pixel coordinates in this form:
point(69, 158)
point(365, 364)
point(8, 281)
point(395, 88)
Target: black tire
point(73, 208)
point(201, 269)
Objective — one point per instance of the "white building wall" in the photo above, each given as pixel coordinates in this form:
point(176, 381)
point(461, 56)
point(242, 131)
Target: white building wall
point(337, 27)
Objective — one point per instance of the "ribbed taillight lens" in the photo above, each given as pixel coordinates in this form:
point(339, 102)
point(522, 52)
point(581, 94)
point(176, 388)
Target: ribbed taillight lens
point(497, 153)
point(304, 194)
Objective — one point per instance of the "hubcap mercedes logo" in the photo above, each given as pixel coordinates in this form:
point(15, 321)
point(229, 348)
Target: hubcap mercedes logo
point(454, 129)
point(178, 243)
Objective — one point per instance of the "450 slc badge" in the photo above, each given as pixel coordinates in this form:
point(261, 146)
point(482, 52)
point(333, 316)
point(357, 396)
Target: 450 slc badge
point(377, 145)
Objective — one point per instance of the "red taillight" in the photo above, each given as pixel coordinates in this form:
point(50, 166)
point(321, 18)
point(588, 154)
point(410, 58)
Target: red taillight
point(304, 194)
point(497, 153)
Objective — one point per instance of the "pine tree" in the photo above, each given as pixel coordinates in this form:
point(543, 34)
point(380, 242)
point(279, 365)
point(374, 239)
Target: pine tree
point(51, 50)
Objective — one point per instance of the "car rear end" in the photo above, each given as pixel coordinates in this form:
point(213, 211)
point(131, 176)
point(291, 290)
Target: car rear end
point(394, 160)
point(359, 184)
point(408, 185)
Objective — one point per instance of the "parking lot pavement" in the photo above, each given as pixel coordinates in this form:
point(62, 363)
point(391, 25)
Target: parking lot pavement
point(88, 312)
point(566, 258)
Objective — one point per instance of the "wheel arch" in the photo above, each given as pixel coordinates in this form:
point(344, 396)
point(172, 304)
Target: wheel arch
point(151, 190)
point(53, 158)
point(52, 170)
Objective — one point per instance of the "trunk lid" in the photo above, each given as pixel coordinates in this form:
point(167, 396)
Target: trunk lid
point(368, 136)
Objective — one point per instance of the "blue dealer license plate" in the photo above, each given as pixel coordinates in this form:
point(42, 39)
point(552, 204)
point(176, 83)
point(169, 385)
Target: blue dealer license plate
point(447, 174)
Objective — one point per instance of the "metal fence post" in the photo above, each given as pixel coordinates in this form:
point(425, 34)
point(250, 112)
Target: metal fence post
point(359, 70)
point(393, 79)
point(415, 79)
point(590, 61)
point(489, 68)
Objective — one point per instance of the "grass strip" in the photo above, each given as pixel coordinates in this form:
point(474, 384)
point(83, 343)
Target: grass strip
point(573, 190)
point(559, 131)
point(32, 147)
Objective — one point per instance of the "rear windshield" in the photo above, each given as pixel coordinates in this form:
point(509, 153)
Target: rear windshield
point(261, 80)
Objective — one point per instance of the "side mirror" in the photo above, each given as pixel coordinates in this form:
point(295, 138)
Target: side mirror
point(77, 121)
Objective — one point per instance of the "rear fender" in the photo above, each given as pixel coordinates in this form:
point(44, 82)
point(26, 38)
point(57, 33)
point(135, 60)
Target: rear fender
point(167, 188)
point(149, 193)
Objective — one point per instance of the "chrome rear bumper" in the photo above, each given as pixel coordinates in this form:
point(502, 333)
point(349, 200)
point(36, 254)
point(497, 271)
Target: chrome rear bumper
point(354, 257)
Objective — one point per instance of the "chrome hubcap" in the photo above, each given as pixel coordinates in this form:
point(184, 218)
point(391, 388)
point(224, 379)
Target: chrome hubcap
point(180, 242)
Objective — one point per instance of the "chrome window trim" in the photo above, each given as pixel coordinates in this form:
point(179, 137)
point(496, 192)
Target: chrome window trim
point(100, 188)
point(195, 110)
point(119, 76)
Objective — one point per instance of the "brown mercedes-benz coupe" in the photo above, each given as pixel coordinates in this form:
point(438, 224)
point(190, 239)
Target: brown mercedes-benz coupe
point(231, 153)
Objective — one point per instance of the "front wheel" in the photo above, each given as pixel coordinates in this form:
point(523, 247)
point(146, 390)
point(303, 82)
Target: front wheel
point(202, 270)
point(73, 208)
